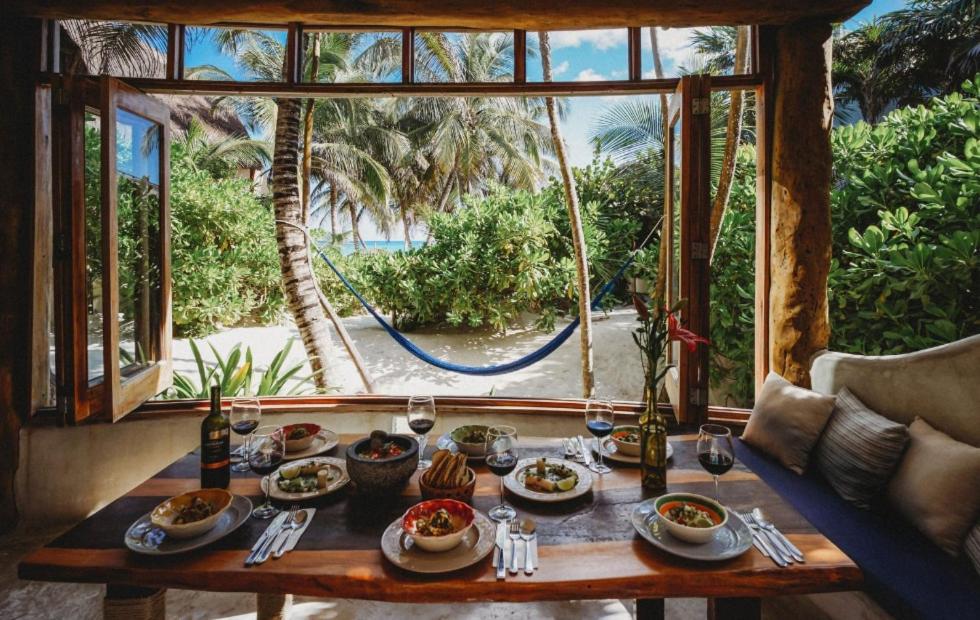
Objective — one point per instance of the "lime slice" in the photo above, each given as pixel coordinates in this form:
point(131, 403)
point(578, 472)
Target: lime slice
point(289, 472)
point(566, 484)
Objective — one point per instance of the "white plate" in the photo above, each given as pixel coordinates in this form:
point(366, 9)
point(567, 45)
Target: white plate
point(143, 538)
point(514, 483)
point(730, 541)
point(324, 440)
point(334, 485)
point(610, 451)
point(478, 542)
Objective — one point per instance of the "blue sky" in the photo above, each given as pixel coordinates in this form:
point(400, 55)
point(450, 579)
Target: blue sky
point(576, 55)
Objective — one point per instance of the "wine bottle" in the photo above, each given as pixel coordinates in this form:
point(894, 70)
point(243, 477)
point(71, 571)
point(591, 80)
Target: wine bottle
point(215, 446)
point(653, 447)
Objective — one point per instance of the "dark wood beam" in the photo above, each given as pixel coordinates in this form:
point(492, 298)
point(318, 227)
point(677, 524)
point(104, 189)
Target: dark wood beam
point(489, 15)
point(520, 56)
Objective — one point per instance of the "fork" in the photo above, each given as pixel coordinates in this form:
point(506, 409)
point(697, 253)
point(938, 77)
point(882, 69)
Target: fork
point(758, 535)
point(514, 535)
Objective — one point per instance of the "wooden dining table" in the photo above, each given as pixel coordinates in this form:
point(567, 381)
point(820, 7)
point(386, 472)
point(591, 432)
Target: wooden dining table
point(588, 548)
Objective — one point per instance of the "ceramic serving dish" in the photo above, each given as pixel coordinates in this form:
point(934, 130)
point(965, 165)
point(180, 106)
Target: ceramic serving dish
point(380, 476)
point(460, 514)
point(695, 535)
point(470, 448)
point(298, 445)
point(163, 515)
point(629, 448)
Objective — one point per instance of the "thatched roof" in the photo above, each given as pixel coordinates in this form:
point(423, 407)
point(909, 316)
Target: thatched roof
point(219, 121)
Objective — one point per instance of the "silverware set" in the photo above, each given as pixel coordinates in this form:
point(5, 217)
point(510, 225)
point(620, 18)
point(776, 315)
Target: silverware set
point(770, 541)
point(281, 536)
point(516, 547)
point(576, 449)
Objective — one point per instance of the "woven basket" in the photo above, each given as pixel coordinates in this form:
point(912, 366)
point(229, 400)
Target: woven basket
point(462, 493)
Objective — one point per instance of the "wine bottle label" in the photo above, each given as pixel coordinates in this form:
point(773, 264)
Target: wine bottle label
point(217, 465)
point(218, 435)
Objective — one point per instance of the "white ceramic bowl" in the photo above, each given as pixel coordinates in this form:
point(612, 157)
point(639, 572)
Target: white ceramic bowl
point(626, 447)
point(298, 445)
point(476, 450)
point(694, 535)
point(461, 514)
point(163, 515)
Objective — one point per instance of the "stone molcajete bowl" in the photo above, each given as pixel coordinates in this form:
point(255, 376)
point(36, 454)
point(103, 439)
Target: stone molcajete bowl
point(381, 476)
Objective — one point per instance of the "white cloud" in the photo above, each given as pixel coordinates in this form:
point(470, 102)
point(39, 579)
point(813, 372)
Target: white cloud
point(561, 68)
point(675, 44)
point(589, 75)
point(600, 39)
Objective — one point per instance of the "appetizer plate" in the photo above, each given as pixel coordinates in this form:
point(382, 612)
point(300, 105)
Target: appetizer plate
point(612, 453)
point(340, 480)
point(514, 482)
point(325, 440)
point(143, 538)
point(730, 541)
point(476, 544)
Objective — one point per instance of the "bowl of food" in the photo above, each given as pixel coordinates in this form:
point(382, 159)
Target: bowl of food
point(382, 463)
point(438, 524)
point(471, 439)
point(448, 478)
point(191, 514)
point(299, 437)
point(691, 518)
point(627, 439)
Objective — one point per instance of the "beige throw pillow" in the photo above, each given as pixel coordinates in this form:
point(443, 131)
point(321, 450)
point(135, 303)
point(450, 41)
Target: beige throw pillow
point(937, 486)
point(787, 421)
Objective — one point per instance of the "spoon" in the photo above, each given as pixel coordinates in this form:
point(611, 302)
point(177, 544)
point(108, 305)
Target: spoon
point(297, 522)
point(784, 544)
point(527, 534)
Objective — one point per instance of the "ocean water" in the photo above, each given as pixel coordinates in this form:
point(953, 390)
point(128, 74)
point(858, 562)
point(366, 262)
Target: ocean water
point(380, 245)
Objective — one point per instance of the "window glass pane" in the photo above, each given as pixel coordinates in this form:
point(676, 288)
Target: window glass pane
point(234, 54)
point(464, 57)
point(675, 227)
point(138, 207)
point(353, 57)
point(672, 52)
point(581, 55)
point(121, 49)
point(93, 244)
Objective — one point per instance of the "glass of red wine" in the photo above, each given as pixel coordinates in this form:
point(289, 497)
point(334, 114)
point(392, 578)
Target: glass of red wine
point(715, 451)
point(267, 449)
point(421, 419)
point(501, 459)
point(244, 418)
point(599, 420)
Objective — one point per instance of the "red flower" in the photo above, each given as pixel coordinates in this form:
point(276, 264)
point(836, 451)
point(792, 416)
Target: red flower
point(641, 308)
point(676, 332)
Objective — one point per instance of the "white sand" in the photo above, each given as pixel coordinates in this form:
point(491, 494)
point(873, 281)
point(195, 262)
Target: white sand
point(395, 371)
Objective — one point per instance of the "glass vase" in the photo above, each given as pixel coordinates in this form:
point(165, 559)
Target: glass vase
point(653, 446)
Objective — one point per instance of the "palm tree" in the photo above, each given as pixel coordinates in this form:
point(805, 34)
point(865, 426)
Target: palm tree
point(119, 48)
point(575, 222)
point(201, 151)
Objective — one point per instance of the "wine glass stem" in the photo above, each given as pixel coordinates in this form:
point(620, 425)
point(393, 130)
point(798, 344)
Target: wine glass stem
point(502, 491)
point(422, 441)
point(717, 499)
point(599, 442)
point(268, 487)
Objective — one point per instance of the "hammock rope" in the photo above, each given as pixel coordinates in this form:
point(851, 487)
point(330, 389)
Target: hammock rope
point(495, 369)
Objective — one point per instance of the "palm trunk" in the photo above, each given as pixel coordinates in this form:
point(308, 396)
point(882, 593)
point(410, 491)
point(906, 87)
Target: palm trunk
point(732, 138)
point(575, 221)
point(354, 231)
point(333, 211)
point(294, 261)
point(308, 133)
point(407, 226)
point(660, 286)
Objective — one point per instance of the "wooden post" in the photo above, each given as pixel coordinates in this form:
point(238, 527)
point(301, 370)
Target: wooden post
point(801, 169)
point(132, 603)
point(273, 606)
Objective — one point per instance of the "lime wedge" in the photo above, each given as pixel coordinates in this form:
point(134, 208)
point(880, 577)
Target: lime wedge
point(566, 484)
point(289, 472)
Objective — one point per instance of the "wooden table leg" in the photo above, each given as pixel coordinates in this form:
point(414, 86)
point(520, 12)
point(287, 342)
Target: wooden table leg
point(649, 609)
point(132, 603)
point(734, 608)
point(273, 606)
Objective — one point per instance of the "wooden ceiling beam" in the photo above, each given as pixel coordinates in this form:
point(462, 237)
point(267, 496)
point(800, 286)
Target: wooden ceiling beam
point(495, 14)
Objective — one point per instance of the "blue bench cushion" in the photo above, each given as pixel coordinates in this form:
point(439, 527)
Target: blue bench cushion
point(904, 572)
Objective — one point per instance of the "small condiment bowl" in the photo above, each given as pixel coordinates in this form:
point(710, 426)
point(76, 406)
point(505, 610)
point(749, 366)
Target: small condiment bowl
point(461, 515)
point(626, 447)
point(694, 535)
point(473, 450)
point(298, 445)
point(164, 514)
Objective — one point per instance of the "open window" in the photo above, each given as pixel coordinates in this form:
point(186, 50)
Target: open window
point(687, 209)
point(112, 249)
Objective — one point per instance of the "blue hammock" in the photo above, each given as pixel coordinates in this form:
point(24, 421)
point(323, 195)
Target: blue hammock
point(500, 369)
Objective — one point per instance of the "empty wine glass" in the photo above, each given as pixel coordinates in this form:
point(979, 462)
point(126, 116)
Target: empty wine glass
point(715, 451)
point(421, 419)
point(501, 459)
point(244, 417)
point(599, 416)
point(266, 451)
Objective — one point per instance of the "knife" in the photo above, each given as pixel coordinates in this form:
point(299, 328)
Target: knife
point(502, 529)
point(295, 535)
point(586, 452)
point(271, 530)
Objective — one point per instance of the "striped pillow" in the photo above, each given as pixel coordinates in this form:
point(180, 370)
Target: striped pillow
point(971, 546)
point(859, 450)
